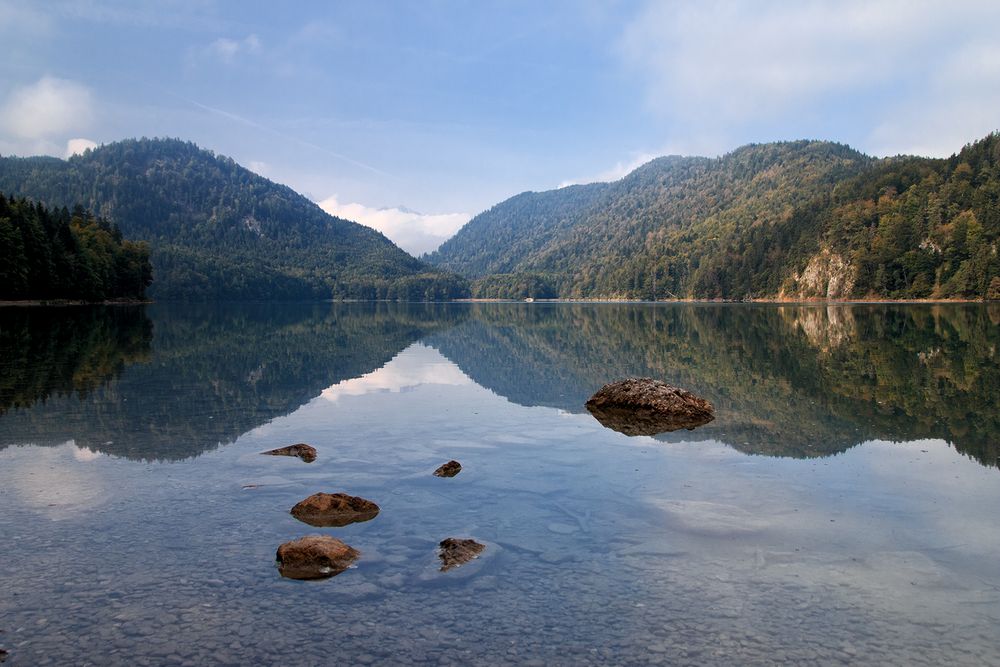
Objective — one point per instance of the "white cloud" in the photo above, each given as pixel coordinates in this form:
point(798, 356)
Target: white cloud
point(227, 50)
point(414, 232)
point(49, 107)
point(724, 66)
point(78, 146)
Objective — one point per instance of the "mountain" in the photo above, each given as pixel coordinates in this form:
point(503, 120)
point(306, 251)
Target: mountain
point(217, 230)
point(796, 219)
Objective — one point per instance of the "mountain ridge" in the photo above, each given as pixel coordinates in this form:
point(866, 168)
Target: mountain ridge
point(219, 230)
point(796, 219)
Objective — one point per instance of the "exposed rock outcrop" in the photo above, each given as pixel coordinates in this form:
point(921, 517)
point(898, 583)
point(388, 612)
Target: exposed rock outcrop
point(455, 552)
point(449, 469)
point(315, 557)
point(643, 406)
point(325, 510)
point(827, 275)
point(305, 452)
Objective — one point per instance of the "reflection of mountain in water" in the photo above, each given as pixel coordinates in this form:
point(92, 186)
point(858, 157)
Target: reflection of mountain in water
point(796, 381)
point(48, 352)
point(215, 371)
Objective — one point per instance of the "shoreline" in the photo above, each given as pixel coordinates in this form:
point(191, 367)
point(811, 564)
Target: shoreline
point(814, 301)
point(74, 302)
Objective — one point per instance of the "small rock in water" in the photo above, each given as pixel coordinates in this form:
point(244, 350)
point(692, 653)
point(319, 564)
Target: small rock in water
point(3, 655)
point(314, 557)
point(305, 452)
point(455, 552)
point(643, 406)
point(449, 469)
point(330, 510)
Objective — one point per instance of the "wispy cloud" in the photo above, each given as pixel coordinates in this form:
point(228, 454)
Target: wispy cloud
point(414, 232)
point(282, 135)
point(961, 103)
point(227, 50)
point(730, 65)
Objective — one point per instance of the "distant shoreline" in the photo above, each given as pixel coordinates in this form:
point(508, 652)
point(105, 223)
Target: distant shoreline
point(74, 302)
point(790, 302)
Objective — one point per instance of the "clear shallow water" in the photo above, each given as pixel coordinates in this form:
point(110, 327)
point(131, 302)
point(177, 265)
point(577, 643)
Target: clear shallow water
point(841, 508)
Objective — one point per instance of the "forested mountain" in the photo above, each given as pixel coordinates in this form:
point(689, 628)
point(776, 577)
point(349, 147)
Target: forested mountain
point(790, 220)
point(61, 255)
point(217, 230)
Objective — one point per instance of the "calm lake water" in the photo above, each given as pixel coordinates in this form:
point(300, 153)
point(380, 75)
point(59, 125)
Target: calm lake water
point(844, 506)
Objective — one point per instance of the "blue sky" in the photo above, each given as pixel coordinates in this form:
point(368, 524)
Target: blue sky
point(449, 107)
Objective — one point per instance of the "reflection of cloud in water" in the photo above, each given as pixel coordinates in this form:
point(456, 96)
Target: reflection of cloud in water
point(85, 454)
point(708, 518)
point(416, 365)
point(57, 480)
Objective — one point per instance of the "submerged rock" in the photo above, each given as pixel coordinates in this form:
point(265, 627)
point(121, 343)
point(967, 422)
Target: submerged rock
point(449, 469)
point(315, 557)
point(643, 406)
point(305, 452)
point(455, 552)
point(325, 510)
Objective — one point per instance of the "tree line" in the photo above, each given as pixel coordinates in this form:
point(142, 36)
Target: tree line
point(58, 254)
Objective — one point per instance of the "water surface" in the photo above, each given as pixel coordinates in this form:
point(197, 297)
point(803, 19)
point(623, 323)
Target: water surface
point(841, 507)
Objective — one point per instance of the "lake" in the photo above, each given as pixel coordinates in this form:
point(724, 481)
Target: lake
point(843, 507)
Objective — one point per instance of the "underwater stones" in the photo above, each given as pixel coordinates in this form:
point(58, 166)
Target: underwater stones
point(643, 406)
point(305, 452)
point(449, 469)
point(314, 557)
point(455, 552)
point(326, 510)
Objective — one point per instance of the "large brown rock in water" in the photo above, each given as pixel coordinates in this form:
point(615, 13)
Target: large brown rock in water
point(449, 469)
point(643, 406)
point(314, 557)
point(325, 510)
point(305, 452)
point(455, 552)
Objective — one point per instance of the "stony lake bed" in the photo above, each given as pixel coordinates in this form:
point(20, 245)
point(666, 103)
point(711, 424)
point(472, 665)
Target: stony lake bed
point(840, 508)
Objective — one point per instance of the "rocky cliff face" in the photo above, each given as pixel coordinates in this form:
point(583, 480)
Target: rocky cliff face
point(827, 275)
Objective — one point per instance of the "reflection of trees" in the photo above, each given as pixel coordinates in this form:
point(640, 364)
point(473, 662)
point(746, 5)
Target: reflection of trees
point(796, 381)
point(215, 372)
point(47, 352)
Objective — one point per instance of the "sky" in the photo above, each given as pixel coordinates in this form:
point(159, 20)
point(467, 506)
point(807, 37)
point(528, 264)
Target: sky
point(411, 117)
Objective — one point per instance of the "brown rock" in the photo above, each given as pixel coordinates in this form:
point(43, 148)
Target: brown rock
point(325, 510)
point(642, 406)
point(455, 552)
point(449, 469)
point(305, 452)
point(314, 557)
